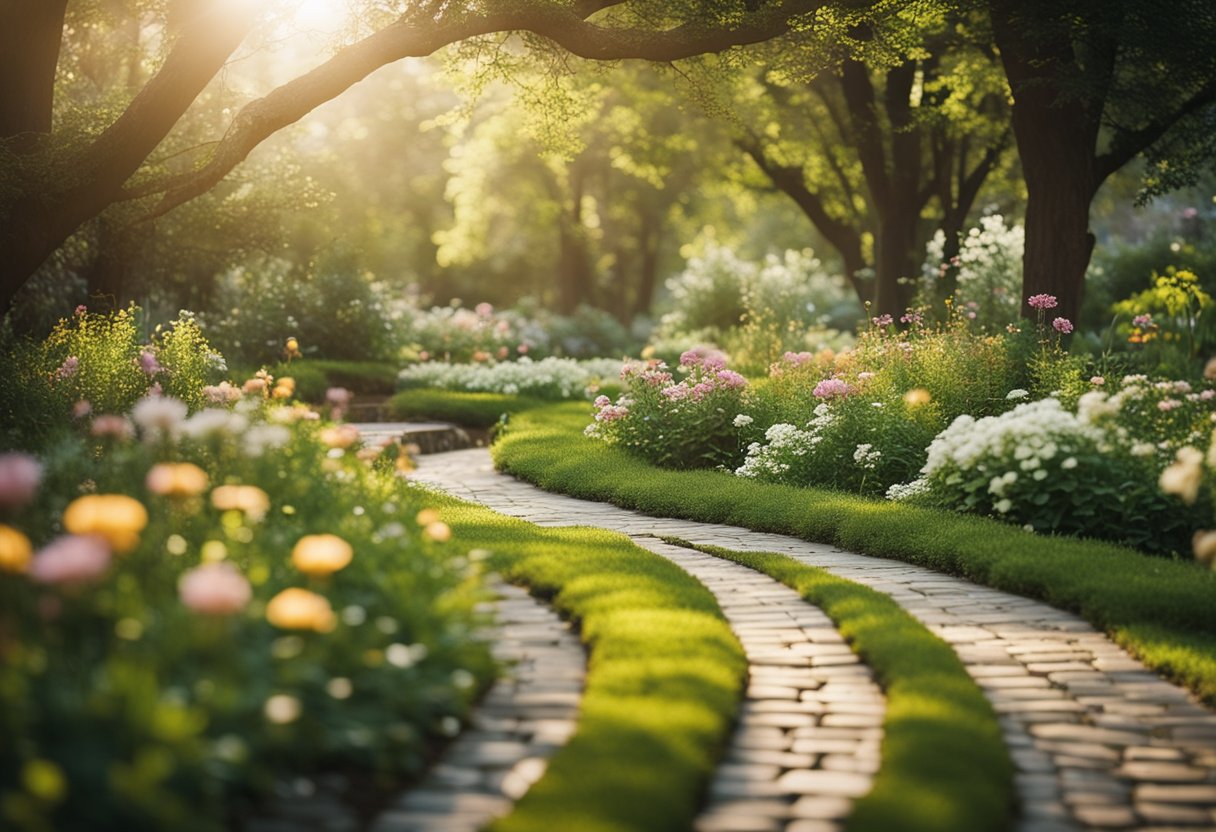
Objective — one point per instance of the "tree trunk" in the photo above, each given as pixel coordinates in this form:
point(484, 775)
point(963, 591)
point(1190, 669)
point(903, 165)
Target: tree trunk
point(895, 260)
point(573, 262)
point(30, 35)
point(649, 276)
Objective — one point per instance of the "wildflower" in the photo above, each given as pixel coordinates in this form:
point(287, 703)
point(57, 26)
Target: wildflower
point(1003, 506)
point(1069, 463)
point(882, 321)
point(437, 531)
point(299, 609)
point(1142, 321)
point(158, 415)
point(68, 368)
point(864, 376)
point(71, 559)
point(522, 349)
point(1166, 405)
point(15, 550)
point(1017, 393)
point(1062, 325)
point(321, 554)
point(1042, 301)
point(602, 401)
point(917, 396)
point(1182, 477)
point(81, 409)
point(292, 348)
point(109, 425)
point(222, 393)
point(340, 436)
point(254, 387)
point(484, 310)
point(282, 709)
point(116, 518)
point(284, 388)
point(176, 479)
point(214, 589)
point(250, 500)
point(742, 420)
point(1209, 370)
point(1097, 381)
point(148, 363)
point(1204, 546)
point(20, 475)
point(730, 379)
point(830, 388)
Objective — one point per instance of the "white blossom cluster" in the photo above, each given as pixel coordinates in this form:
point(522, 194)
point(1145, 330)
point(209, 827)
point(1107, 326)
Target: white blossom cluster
point(550, 377)
point(867, 456)
point(768, 459)
point(989, 267)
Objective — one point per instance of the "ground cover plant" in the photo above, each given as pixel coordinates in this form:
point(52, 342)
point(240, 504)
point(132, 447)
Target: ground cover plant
point(944, 762)
point(471, 410)
point(1157, 608)
point(550, 378)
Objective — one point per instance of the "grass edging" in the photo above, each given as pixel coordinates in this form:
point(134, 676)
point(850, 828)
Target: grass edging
point(1163, 611)
point(664, 680)
point(468, 410)
point(944, 767)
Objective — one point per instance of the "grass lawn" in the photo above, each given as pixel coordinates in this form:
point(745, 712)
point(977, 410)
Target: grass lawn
point(470, 410)
point(1163, 611)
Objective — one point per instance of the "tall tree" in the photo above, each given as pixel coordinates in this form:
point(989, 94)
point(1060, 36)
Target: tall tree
point(51, 181)
point(883, 146)
point(1095, 84)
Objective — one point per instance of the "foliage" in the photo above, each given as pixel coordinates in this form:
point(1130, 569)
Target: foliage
point(1167, 320)
point(685, 424)
point(757, 310)
point(155, 706)
point(549, 378)
point(98, 363)
point(314, 377)
point(474, 410)
point(1159, 609)
point(932, 704)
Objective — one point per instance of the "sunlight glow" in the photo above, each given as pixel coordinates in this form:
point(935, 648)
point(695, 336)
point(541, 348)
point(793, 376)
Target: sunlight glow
point(322, 15)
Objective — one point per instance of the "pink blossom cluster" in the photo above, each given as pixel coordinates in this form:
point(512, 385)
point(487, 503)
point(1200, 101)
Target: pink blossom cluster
point(912, 318)
point(1143, 321)
point(1042, 301)
point(832, 388)
point(706, 358)
point(148, 363)
point(653, 373)
point(1062, 325)
point(68, 368)
point(20, 475)
point(797, 359)
point(882, 321)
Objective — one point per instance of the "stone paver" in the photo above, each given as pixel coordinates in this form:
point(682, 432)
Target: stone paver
point(527, 715)
point(1091, 730)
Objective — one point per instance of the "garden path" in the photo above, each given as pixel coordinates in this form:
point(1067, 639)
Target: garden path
point(1098, 740)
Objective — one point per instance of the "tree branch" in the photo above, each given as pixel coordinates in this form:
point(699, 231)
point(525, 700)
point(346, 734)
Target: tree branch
point(1130, 143)
point(412, 37)
point(863, 122)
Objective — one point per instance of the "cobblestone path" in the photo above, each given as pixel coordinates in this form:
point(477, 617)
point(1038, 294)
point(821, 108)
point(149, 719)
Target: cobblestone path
point(1099, 741)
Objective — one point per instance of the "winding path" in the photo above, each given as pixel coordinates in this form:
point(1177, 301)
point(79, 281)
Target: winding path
point(1099, 741)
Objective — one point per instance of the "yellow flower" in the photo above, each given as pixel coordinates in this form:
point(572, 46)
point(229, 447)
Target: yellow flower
point(299, 609)
point(249, 499)
point(44, 780)
point(284, 388)
point(292, 347)
point(177, 479)
point(917, 396)
point(321, 554)
point(426, 517)
point(15, 550)
point(117, 518)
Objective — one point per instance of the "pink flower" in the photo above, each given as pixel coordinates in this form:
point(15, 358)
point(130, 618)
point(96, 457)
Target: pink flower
point(424, 356)
point(798, 358)
point(1166, 405)
point(148, 363)
point(214, 589)
point(831, 387)
point(910, 317)
point(602, 401)
point(707, 357)
point(612, 413)
point(1142, 320)
point(674, 393)
point(485, 310)
point(522, 349)
point(1207, 395)
point(81, 309)
point(731, 379)
point(502, 353)
point(81, 409)
point(71, 559)
point(1042, 301)
point(882, 320)
point(864, 376)
point(338, 396)
point(1062, 325)
point(110, 425)
point(20, 475)
point(68, 368)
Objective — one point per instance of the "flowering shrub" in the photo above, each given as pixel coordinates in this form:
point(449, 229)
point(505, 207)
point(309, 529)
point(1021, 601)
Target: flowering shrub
point(988, 270)
point(1168, 321)
point(195, 606)
point(684, 424)
point(97, 362)
point(549, 378)
point(1051, 470)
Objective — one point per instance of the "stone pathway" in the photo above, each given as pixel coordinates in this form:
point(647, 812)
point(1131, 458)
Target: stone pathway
point(1099, 741)
point(528, 714)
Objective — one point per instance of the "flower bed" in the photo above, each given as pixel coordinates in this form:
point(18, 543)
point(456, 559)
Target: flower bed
point(549, 378)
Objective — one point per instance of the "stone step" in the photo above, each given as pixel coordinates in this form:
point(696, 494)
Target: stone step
point(429, 437)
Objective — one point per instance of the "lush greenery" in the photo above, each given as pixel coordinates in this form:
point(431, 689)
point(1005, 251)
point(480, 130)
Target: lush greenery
point(944, 762)
point(1161, 610)
point(471, 410)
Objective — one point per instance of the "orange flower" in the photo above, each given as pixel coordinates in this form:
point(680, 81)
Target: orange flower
point(15, 550)
point(249, 499)
point(321, 554)
point(299, 609)
point(117, 518)
point(438, 531)
point(340, 436)
point(177, 479)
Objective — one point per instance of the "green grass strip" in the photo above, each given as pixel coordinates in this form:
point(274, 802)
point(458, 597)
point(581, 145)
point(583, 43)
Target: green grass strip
point(664, 682)
point(470, 410)
point(944, 765)
point(1163, 611)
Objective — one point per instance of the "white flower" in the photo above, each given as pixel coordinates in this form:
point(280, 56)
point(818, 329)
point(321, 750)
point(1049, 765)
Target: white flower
point(1069, 463)
point(1003, 506)
point(261, 438)
point(743, 420)
point(214, 421)
point(158, 415)
point(1017, 393)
